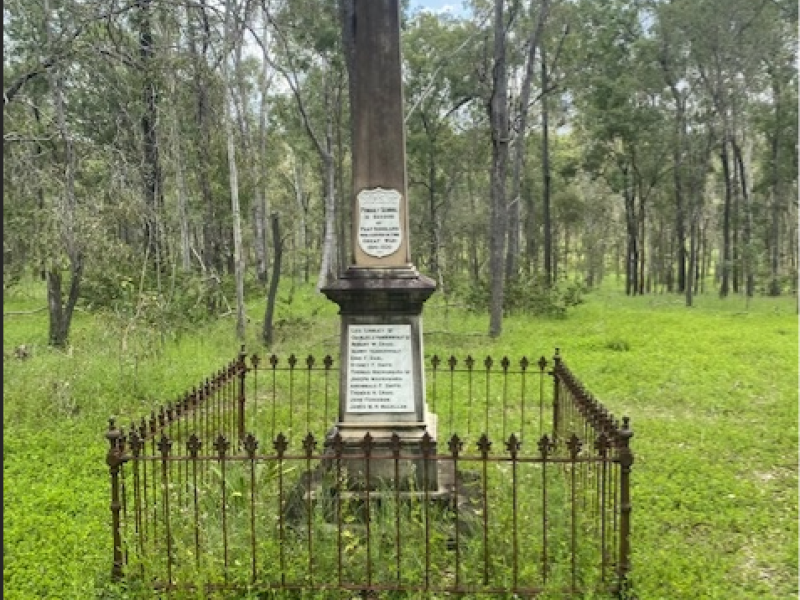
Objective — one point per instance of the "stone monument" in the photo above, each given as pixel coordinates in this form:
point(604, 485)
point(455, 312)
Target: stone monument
point(380, 296)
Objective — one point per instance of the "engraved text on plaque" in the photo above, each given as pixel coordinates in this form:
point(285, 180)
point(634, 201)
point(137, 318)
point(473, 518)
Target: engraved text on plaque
point(379, 230)
point(380, 372)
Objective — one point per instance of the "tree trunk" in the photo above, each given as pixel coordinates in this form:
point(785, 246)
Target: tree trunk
point(724, 289)
point(433, 216)
point(61, 314)
point(327, 269)
point(151, 164)
point(632, 247)
point(259, 235)
point(303, 203)
point(472, 248)
point(229, 43)
point(680, 218)
point(531, 233)
point(211, 246)
point(277, 255)
point(736, 259)
point(775, 196)
point(233, 177)
point(343, 214)
point(512, 256)
point(705, 265)
point(498, 116)
point(183, 194)
point(324, 148)
point(546, 220)
point(689, 282)
point(260, 197)
point(747, 267)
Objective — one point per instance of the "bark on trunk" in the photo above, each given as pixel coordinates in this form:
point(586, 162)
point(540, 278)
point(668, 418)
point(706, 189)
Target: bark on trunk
point(498, 116)
point(775, 204)
point(212, 261)
point(433, 216)
point(59, 313)
point(747, 267)
point(277, 255)
point(259, 235)
point(680, 218)
point(724, 289)
point(689, 283)
point(632, 247)
point(303, 204)
point(151, 165)
point(260, 198)
point(183, 194)
point(230, 42)
point(531, 233)
point(233, 178)
point(327, 269)
point(546, 217)
point(512, 256)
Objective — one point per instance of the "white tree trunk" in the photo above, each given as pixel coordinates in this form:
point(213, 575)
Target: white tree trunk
point(326, 269)
point(327, 266)
point(261, 197)
point(241, 317)
point(183, 211)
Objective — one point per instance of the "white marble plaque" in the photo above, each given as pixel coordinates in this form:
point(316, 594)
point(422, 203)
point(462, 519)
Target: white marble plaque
point(380, 376)
point(379, 230)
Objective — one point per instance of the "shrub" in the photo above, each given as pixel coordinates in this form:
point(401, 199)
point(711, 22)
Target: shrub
point(529, 296)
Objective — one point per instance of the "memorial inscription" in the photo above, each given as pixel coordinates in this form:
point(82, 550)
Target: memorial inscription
point(380, 376)
point(379, 226)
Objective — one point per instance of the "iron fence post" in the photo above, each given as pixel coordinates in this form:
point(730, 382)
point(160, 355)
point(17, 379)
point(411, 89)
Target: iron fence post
point(114, 460)
point(242, 368)
point(625, 459)
point(556, 393)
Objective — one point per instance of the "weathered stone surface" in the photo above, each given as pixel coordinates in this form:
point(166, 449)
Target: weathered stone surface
point(379, 145)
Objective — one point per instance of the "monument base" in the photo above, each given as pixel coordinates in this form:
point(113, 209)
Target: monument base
point(382, 384)
point(397, 457)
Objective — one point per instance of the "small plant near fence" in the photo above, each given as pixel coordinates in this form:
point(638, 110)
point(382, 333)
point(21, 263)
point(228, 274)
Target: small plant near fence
point(241, 485)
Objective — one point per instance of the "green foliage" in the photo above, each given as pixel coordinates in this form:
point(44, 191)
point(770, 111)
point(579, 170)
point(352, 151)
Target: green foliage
point(618, 345)
point(529, 296)
point(712, 392)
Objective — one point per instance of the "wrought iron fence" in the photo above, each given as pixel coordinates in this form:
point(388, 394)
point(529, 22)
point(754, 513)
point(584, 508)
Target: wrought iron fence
point(237, 485)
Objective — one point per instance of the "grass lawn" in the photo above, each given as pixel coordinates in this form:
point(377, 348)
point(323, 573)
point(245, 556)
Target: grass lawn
point(711, 391)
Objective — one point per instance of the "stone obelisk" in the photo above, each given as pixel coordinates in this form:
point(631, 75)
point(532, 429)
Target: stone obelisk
point(380, 296)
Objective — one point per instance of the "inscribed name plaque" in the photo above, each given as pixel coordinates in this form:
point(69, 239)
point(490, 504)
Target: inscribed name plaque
point(379, 231)
point(380, 370)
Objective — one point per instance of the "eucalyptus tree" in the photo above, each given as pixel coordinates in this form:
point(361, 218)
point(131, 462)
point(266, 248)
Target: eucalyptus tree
point(725, 49)
point(152, 174)
point(622, 120)
point(498, 117)
point(775, 118)
point(233, 36)
point(538, 18)
point(311, 62)
point(52, 67)
point(439, 83)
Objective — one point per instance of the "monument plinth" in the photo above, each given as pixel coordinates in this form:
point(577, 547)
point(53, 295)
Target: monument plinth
point(381, 295)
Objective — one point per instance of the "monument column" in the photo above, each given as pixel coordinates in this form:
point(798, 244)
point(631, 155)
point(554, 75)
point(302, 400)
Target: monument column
point(380, 296)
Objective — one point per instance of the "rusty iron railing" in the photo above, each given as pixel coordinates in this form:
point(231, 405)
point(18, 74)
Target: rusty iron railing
point(228, 488)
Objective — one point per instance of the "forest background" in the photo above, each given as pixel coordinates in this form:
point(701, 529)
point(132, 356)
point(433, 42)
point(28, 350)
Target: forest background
point(579, 173)
point(161, 158)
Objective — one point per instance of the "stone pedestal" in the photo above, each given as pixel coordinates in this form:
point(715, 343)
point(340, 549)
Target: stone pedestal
point(380, 297)
point(382, 381)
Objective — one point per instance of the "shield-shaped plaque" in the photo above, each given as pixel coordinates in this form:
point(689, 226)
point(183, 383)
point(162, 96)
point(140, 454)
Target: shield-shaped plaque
point(379, 229)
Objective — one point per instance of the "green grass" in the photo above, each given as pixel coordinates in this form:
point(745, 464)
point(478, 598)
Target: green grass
point(711, 391)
